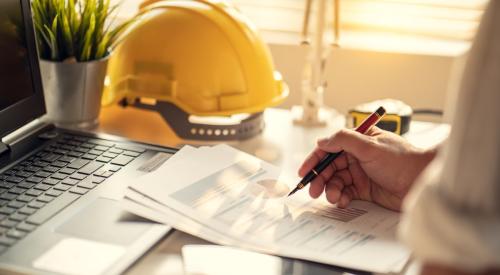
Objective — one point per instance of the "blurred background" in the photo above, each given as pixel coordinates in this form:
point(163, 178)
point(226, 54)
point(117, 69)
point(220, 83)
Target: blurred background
point(411, 50)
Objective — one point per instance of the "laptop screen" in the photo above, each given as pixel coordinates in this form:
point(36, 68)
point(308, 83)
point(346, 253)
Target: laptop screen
point(15, 71)
point(21, 93)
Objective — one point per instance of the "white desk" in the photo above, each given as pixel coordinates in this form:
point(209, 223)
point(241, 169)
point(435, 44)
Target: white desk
point(282, 143)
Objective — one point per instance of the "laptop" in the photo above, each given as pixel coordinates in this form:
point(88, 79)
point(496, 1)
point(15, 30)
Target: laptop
point(60, 189)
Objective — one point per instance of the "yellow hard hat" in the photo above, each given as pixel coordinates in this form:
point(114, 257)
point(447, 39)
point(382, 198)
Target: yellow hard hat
point(204, 57)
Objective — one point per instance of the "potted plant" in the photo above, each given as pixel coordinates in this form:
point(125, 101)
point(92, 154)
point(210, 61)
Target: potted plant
point(75, 39)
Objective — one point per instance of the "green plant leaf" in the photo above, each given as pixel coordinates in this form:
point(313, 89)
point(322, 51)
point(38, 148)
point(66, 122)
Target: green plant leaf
point(82, 29)
point(54, 53)
point(67, 36)
point(87, 44)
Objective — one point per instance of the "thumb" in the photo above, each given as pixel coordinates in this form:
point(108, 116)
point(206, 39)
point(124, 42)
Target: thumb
point(359, 145)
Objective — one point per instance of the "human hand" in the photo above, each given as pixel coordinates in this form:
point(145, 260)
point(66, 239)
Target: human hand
point(378, 166)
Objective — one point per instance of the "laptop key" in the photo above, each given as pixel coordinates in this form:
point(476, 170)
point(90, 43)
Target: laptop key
point(50, 157)
point(25, 198)
point(16, 234)
point(90, 168)
point(34, 179)
point(106, 174)
point(25, 185)
point(42, 174)
point(122, 160)
point(18, 217)
point(43, 187)
point(40, 163)
point(68, 147)
point(59, 164)
point(87, 184)
point(61, 151)
point(115, 150)
point(75, 154)
point(59, 176)
point(16, 204)
point(27, 210)
point(62, 187)
point(24, 174)
point(69, 181)
point(50, 181)
point(89, 156)
point(67, 170)
point(52, 208)
point(8, 196)
point(80, 138)
point(97, 179)
point(95, 152)
point(79, 163)
point(110, 155)
point(7, 210)
point(78, 176)
point(26, 227)
point(104, 159)
point(131, 154)
point(101, 148)
point(34, 192)
point(14, 179)
point(32, 169)
point(8, 223)
point(53, 193)
point(51, 169)
point(36, 204)
point(87, 145)
point(81, 150)
point(6, 185)
point(45, 198)
point(17, 190)
point(78, 190)
point(4, 240)
point(67, 159)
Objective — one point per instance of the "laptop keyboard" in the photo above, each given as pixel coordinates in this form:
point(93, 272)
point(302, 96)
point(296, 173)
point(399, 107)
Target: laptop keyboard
point(41, 186)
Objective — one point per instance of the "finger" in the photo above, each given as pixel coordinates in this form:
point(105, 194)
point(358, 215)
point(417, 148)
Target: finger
point(360, 181)
point(359, 145)
point(318, 183)
point(341, 162)
point(345, 175)
point(316, 189)
point(311, 161)
point(345, 198)
point(333, 189)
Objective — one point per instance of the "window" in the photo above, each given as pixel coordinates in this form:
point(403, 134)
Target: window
point(437, 27)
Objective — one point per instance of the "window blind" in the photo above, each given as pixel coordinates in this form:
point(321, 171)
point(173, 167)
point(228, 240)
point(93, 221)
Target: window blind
point(441, 27)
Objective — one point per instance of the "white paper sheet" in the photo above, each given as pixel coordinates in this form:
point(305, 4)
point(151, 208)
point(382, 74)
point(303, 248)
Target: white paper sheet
point(232, 198)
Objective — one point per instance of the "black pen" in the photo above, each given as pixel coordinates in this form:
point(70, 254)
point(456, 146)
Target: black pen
point(367, 124)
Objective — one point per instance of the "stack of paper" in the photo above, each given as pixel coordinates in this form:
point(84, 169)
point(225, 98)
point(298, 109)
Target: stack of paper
point(229, 197)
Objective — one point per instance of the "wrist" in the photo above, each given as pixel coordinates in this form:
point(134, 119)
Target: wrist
point(418, 159)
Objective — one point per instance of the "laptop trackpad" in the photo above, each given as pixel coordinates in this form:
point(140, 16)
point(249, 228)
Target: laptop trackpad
point(104, 221)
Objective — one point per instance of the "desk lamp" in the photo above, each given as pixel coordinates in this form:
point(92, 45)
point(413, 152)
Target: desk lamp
point(312, 112)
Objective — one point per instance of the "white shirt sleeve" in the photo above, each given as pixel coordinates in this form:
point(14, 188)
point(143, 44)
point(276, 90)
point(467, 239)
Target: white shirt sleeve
point(452, 216)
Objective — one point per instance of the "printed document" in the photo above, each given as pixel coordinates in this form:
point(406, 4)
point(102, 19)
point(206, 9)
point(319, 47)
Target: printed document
point(229, 197)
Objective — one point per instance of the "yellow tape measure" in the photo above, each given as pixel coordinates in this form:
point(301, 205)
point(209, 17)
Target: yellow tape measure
point(396, 120)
